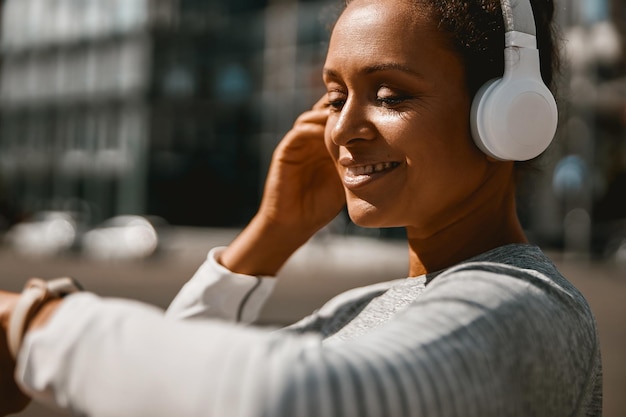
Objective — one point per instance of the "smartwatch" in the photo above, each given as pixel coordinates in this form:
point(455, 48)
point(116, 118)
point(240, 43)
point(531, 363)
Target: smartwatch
point(35, 294)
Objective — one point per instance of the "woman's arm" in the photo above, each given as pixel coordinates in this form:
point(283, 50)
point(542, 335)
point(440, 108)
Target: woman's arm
point(302, 194)
point(13, 400)
point(475, 344)
point(218, 293)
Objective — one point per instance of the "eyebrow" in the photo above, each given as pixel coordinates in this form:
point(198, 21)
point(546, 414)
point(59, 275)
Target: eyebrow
point(390, 66)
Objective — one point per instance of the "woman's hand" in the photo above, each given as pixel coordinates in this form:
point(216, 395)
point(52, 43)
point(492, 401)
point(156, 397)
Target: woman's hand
point(302, 194)
point(13, 400)
point(303, 190)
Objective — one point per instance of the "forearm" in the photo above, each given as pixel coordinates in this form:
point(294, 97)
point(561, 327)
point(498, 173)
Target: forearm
point(43, 315)
point(262, 248)
point(302, 194)
point(112, 347)
point(13, 399)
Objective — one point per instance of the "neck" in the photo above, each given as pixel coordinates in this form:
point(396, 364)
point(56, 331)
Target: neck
point(487, 222)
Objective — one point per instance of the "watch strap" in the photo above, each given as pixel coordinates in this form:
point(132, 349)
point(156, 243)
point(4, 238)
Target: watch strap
point(36, 293)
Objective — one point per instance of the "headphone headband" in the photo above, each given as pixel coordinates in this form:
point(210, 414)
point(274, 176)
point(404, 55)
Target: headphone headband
point(518, 17)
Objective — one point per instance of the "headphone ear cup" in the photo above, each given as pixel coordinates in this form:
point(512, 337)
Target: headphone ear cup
point(480, 132)
point(513, 118)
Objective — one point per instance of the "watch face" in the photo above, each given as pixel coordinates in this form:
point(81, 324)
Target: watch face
point(60, 287)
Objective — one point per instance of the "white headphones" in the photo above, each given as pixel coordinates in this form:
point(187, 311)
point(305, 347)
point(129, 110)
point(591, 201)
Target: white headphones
point(514, 118)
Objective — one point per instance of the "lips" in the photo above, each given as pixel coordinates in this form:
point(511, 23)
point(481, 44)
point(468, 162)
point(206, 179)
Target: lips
point(357, 175)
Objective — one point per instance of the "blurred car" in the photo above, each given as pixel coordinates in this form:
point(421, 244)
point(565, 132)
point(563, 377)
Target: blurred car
point(124, 237)
point(47, 233)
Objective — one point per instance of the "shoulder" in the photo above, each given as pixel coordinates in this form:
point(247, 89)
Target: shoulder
point(520, 271)
point(515, 305)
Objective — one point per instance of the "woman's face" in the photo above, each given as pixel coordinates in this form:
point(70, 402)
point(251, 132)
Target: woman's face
point(398, 129)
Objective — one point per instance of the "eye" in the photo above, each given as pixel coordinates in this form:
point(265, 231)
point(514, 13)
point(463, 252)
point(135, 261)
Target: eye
point(387, 97)
point(336, 100)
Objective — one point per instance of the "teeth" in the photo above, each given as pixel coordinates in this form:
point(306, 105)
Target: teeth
point(370, 169)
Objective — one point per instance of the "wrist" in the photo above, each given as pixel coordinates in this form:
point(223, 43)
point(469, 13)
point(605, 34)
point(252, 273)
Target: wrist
point(35, 305)
point(42, 315)
point(263, 247)
point(9, 301)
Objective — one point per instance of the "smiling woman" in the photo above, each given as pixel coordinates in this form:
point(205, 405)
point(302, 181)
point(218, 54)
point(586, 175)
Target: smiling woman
point(402, 101)
point(484, 324)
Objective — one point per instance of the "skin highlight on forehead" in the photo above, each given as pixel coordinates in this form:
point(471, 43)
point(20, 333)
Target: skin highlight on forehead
point(387, 35)
point(418, 8)
point(409, 17)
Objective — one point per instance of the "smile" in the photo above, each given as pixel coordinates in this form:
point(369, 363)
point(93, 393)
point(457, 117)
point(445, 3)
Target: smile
point(370, 169)
point(356, 176)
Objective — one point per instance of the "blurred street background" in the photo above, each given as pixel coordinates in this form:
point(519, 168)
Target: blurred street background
point(135, 135)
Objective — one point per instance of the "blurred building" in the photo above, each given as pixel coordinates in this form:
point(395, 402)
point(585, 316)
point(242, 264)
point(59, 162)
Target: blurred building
point(159, 107)
point(173, 108)
point(589, 175)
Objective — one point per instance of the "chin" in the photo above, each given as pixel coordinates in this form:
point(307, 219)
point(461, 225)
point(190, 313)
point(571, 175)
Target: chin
point(366, 215)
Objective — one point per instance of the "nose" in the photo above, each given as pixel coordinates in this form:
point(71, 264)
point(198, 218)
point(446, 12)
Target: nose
point(352, 123)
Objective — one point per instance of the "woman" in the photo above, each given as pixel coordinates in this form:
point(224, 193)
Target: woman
point(484, 326)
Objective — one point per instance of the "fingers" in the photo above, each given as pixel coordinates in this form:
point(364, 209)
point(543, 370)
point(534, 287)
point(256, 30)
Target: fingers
point(318, 113)
point(322, 103)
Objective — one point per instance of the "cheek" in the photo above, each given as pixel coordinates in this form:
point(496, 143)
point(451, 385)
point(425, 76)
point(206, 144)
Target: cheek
point(444, 137)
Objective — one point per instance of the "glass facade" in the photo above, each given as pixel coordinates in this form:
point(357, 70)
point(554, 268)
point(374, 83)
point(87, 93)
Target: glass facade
point(173, 108)
point(158, 107)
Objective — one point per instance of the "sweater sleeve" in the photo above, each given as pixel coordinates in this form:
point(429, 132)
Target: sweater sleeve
point(215, 292)
point(475, 344)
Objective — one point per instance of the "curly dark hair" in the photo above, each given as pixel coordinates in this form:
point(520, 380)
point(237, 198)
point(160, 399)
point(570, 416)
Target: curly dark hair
point(476, 31)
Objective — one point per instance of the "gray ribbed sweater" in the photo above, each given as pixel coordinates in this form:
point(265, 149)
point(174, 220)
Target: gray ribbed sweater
point(503, 334)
